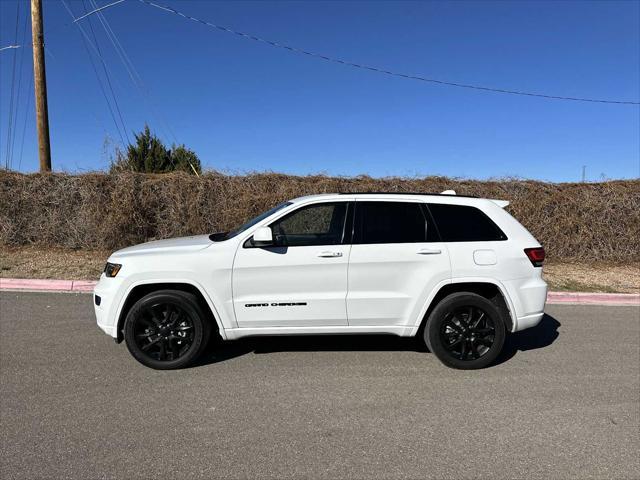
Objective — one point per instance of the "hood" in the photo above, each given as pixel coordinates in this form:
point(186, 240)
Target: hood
point(171, 245)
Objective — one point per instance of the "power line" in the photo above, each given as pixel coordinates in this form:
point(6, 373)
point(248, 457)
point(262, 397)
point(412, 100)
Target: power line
point(106, 74)
point(135, 76)
point(117, 46)
point(10, 47)
point(377, 69)
point(97, 10)
point(129, 66)
point(86, 41)
point(11, 102)
point(20, 75)
point(26, 116)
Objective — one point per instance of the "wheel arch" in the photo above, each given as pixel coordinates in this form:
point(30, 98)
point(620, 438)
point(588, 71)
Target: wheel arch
point(139, 290)
point(486, 288)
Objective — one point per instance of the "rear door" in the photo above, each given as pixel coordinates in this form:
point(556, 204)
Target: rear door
point(301, 281)
point(397, 260)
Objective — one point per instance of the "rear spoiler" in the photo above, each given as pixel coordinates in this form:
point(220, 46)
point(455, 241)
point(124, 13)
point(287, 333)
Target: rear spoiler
point(500, 203)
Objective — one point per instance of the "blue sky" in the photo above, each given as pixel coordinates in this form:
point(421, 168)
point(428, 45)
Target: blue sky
point(244, 106)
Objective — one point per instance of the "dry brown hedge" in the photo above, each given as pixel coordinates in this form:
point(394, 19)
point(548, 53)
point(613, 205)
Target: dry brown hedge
point(599, 221)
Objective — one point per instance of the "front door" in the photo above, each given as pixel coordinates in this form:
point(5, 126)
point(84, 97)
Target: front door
point(397, 260)
point(301, 281)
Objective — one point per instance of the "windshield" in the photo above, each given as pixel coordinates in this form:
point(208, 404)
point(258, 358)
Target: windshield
point(216, 237)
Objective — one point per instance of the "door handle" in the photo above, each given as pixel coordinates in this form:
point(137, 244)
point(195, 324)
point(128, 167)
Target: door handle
point(429, 251)
point(330, 254)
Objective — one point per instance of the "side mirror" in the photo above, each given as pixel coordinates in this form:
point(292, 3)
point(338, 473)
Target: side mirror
point(263, 237)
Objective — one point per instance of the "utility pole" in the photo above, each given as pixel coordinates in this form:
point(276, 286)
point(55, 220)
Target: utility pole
point(40, 86)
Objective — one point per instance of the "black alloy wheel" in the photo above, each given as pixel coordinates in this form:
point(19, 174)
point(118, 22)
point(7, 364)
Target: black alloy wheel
point(466, 331)
point(166, 329)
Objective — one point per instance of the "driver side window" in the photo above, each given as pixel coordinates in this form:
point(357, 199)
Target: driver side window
point(318, 224)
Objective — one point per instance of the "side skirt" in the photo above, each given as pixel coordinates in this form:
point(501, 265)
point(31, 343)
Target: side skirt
point(234, 333)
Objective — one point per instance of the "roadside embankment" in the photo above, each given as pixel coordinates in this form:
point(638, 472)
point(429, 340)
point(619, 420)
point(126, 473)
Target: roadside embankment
point(583, 222)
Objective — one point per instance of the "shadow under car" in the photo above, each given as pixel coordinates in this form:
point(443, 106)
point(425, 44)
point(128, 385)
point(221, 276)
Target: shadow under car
point(540, 336)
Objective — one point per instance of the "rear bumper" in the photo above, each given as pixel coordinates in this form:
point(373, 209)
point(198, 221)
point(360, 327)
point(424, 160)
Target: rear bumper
point(528, 296)
point(529, 321)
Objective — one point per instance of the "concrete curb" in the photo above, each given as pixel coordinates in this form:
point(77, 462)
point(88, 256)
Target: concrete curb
point(593, 298)
point(87, 286)
point(47, 285)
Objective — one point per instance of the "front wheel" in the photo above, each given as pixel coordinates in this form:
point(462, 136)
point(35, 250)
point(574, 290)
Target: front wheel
point(166, 329)
point(465, 331)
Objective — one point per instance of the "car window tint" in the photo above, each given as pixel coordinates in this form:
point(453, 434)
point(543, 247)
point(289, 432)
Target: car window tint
point(216, 237)
point(390, 222)
point(319, 224)
point(462, 223)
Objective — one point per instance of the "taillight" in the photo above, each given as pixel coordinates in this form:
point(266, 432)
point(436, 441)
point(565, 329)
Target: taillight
point(536, 255)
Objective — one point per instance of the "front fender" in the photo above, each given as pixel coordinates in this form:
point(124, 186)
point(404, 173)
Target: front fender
point(173, 279)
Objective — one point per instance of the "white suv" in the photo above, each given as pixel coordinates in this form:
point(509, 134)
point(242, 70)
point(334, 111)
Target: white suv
point(458, 271)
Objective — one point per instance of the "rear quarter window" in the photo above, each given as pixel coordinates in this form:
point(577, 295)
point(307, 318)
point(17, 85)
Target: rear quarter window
point(462, 223)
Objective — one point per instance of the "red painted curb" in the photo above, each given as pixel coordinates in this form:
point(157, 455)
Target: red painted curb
point(87, 286)
point(47, 285)
point(35, 284)
point(83, 285)
point(594, 298)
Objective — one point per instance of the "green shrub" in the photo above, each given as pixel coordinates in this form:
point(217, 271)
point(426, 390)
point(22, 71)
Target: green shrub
point(149, 155)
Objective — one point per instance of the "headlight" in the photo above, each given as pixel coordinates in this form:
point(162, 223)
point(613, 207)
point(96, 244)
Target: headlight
point(112, 269)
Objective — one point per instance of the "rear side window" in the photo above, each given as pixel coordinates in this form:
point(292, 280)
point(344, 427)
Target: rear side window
point(391, 222)
point(461, 223)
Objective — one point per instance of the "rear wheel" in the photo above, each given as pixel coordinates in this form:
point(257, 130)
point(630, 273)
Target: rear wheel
point(166, 329)
point(465, 331)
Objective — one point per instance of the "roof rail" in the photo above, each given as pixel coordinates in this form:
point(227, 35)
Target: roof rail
point(445, 193)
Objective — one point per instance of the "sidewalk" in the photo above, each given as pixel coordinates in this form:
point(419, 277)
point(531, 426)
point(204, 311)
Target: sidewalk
point(86, 286)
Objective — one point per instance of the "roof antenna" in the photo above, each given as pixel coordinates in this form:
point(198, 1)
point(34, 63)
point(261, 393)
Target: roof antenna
point(448, 192)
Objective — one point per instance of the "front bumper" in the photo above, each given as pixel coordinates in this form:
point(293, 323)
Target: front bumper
point(107, 289)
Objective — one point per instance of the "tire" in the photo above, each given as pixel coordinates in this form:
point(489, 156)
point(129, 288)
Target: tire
point(462, 341)
point(166, 329)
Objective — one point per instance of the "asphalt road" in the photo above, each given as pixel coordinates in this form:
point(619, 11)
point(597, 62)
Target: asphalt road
point(564, 402)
